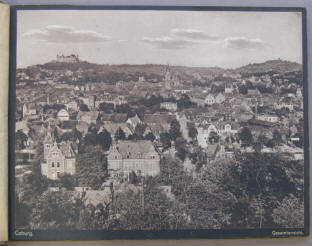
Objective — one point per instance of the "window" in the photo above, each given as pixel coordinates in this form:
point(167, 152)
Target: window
point(52, 164)
point(58, 164)
point(153, 157)
point(115, 156)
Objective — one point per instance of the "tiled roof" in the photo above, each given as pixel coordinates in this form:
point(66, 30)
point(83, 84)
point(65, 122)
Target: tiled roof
point(82, 127)
point(67, 150)
point(93, 115)
point(158, 118)
point(133, 149)
point(135, 120)
point(113, 127)
point(157, 129)
point(68, 124)
point(114, 117)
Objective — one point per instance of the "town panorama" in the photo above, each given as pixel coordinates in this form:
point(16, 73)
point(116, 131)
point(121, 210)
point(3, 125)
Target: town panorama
point(158, 147)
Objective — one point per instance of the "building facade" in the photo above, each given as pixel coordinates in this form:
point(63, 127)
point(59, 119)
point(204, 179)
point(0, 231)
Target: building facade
point(171, 106)
point(63, 115)
point(128, 156)
point(59, 159)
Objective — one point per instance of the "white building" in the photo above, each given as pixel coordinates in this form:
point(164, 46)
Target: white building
point(171, 106)
point(210, 99)
point(267, 117)
point(63, 115)
point(203, 134)
point(220, 98)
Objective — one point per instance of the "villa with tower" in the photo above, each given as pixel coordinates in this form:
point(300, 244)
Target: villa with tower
point(59, 159)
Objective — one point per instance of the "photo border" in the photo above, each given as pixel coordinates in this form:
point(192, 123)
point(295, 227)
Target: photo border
point(151, 234)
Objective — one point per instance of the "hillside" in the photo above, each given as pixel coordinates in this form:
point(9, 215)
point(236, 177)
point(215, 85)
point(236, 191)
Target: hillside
point(273, 65)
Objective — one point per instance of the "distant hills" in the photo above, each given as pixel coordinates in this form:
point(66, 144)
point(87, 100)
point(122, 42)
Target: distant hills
point(155, 71)
point(272, 65)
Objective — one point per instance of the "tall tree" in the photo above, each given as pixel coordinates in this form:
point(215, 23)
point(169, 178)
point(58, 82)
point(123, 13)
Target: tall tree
point(139, 130)
point(20, 140)
point(192, 131)
point(246, 137)
point(120, 134)
point(104, 139)
point(174, 130)
point(165, 140)
point(277, 137)
point(55, 211)
point(289, 213)
point(150, 136)
point(83, 107)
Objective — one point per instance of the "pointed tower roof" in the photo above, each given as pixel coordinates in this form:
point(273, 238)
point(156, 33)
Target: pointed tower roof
point(67, 150)
point(49, 138)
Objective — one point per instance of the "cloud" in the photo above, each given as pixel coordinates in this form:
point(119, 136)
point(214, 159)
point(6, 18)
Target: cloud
point(180, 38)
point(244, 43)
point(169, 42)
point(194, 34)
point(66, 34)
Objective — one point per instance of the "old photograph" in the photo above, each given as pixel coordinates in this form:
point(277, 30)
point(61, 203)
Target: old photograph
point(152, 120)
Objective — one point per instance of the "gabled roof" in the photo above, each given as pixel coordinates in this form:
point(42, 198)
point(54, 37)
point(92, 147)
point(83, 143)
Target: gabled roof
point(253, 92)
point(62, 112)
point(210, 96)
point(220, 95)
point(82, 127)
point(67, 150)
point(113, 127)
point(135, 120)
point(93, 115)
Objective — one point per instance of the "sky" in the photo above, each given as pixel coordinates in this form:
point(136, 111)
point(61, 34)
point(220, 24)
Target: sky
point(227, 39)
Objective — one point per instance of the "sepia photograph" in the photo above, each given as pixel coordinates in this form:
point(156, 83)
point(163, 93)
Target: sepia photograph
point(159, 120)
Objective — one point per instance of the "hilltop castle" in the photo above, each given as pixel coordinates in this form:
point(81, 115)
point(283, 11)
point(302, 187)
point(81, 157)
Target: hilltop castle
point(68, 59)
